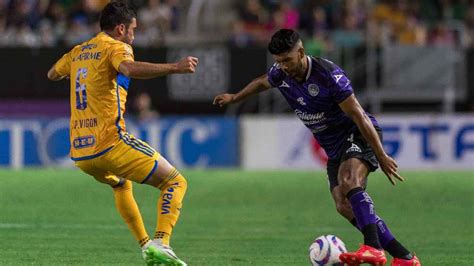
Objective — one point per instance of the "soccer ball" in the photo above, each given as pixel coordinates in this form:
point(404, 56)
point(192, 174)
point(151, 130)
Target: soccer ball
point(325, 250)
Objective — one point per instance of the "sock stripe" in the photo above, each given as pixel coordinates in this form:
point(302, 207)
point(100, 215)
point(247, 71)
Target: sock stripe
point(143, 241)
point(171, 175)
point(160, 234)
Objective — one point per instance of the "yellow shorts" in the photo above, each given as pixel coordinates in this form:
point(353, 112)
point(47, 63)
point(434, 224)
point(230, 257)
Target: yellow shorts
point(130, 159)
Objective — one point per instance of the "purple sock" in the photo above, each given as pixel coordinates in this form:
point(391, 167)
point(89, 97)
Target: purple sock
point(362, 207)
point(388, 241)
point(385, 236)
point(364, 212)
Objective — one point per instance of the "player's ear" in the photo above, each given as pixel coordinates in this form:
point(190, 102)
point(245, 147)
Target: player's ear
point(121, 29)
point(301, 52)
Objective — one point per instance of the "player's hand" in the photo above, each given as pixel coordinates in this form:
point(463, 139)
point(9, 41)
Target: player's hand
point(223, 99)
point(390, 168)
point(187, 65)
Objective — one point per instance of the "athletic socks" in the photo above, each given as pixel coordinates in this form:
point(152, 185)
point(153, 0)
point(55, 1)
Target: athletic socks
point(364, 212)
point(169, 205)
point(397, 250)
point(143, 241)
point(385, 236)
point(388, 241)
point(128, 209)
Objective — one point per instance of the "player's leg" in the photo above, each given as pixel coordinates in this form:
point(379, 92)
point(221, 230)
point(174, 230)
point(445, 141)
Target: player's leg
point(351, 177)
point(343, 206)
point(128, 208)
point(123, 196)
point(135, 160)
point(387, 240)
point(173, 187)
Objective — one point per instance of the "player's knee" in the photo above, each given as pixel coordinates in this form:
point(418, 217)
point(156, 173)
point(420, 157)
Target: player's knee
point(174, 179)
point(345, 182)
point(348, 181)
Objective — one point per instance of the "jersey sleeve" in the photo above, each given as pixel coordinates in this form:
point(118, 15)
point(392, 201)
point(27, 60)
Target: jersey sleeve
point(340, 85)
point(63, 66)
point(119, 53)
point(275, 75)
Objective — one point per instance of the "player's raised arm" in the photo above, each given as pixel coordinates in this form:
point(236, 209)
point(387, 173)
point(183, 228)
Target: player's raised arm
point(255, 86)
point(352, 108)
point(145, 70)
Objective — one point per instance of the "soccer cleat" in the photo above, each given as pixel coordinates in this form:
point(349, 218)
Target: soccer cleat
point(156, 253)
point(401, 262)
point(365, 254)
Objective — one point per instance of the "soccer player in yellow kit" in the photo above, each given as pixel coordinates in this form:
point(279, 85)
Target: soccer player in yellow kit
point(99, 71)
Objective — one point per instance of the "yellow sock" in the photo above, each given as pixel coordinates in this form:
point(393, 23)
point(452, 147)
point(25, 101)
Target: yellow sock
point(128, 209)
point(169, 205)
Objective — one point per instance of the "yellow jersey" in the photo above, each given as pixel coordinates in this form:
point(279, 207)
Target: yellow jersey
point(98, 94)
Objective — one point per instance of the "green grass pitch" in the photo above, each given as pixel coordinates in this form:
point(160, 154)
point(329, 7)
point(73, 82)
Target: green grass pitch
point(229, 217)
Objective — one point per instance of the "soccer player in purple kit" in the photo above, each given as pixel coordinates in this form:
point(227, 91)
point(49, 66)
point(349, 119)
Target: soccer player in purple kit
point(323, 99)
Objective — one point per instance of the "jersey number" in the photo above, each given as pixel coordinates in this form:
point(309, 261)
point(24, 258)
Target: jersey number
point(81, 96)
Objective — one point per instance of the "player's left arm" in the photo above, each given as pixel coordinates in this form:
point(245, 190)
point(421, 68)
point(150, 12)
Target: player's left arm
point(53, 75)
point(60, 69)
point(352, 108)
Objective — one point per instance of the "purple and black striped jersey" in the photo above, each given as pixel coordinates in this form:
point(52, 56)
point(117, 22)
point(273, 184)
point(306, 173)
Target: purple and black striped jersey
point(316, 101)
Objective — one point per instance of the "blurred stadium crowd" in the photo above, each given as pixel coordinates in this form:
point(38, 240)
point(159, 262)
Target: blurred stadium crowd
point(47, 23)
point(351, 23)
point(327, 24)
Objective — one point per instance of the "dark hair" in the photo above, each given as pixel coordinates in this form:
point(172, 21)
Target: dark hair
point(283, 41)
point(116, 13)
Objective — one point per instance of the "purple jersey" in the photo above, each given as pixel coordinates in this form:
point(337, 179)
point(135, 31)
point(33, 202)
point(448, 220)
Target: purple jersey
point(316, 101)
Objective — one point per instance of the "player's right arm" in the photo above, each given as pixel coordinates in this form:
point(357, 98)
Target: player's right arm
point(122, 59)
point(255, 86)
point(145, 70)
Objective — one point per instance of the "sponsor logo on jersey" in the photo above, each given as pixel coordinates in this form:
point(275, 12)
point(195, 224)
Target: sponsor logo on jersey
point(353, 148)
point(83, 142)
point(301, 101)
point(310, 119)
point(88, 47)
point(87, 56)
point(313, 89)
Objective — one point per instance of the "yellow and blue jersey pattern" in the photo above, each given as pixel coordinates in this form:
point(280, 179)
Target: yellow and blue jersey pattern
point(98, 96)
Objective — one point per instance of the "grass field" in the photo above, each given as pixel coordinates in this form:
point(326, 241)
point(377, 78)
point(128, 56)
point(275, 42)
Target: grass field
point(230, 217)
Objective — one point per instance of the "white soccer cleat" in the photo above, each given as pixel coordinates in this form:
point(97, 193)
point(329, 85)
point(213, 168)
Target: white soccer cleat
point(155, 253)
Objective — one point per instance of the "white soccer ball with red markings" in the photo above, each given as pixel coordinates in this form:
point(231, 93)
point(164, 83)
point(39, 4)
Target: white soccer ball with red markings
point(325, 250)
